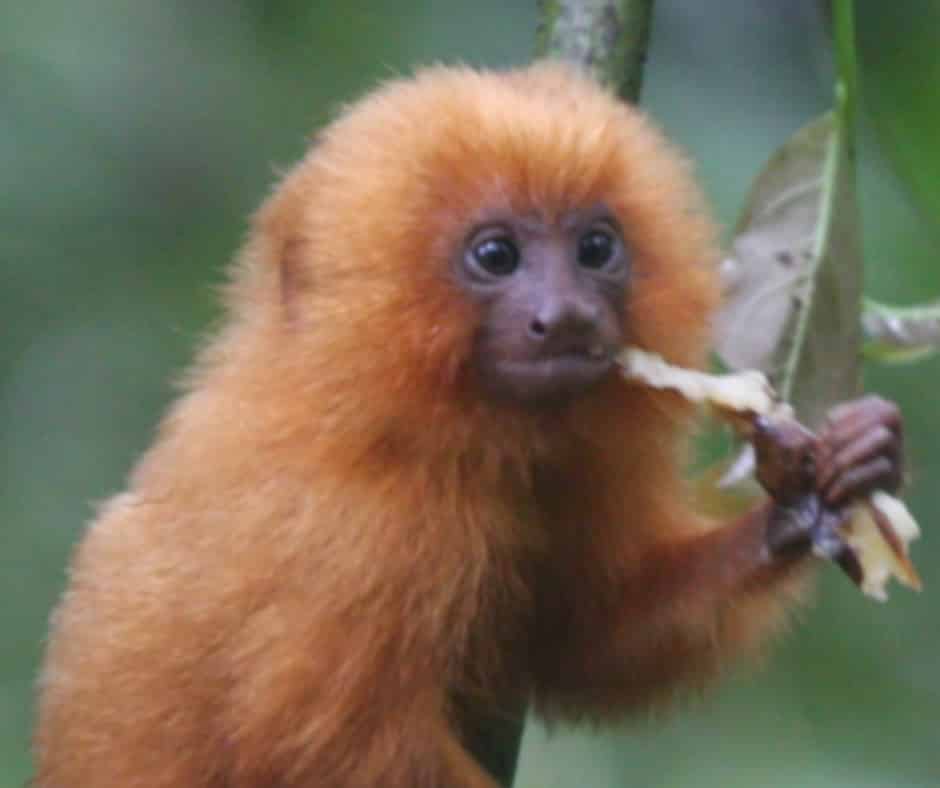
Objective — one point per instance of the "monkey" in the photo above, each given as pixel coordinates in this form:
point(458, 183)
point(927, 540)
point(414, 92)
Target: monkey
point(404, 484)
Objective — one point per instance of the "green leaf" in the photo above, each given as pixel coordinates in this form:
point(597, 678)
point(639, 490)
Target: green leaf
point(822, 363)
point(902, 70)
point(794, 275)
point(768, 272)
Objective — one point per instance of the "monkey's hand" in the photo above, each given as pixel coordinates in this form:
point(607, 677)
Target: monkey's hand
point(860, 450)
point(815, 478)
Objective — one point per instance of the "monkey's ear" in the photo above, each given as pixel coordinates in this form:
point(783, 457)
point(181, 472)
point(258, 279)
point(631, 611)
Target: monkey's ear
point(294, 277)
point(281, 247)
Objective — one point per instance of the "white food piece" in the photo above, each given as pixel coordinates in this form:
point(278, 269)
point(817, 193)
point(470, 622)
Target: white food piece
point(742, 392)
point(879, 559)
point(903, 521)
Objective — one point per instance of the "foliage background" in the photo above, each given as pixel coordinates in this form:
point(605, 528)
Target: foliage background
point(135, 139)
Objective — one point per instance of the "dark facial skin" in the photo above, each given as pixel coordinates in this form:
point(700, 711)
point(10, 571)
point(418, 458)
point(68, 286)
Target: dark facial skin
point(553, 297)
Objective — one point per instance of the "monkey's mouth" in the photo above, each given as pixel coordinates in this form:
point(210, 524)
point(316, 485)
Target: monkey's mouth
point(552, 378)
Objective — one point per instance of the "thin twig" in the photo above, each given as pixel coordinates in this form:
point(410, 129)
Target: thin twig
point(901, 333)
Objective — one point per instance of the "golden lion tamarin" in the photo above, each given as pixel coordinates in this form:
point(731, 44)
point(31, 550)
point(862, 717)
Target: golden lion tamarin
point(405, 483)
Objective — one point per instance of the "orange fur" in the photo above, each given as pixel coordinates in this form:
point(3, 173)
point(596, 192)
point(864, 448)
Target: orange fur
point(335, 535)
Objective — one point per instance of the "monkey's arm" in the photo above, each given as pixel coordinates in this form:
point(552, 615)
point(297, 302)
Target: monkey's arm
point(677, 608)
point(669, 618)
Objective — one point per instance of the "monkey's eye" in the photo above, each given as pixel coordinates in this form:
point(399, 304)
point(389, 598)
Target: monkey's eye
point(596, 249)
point(496, 256)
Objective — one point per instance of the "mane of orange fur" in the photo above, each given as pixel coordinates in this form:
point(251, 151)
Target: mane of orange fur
point(332, 461)
point(373, 213)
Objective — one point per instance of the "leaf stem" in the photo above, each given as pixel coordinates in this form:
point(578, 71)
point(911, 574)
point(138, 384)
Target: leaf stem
point(846, 66)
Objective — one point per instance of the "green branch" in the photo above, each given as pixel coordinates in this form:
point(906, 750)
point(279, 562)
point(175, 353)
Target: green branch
point(900, 334)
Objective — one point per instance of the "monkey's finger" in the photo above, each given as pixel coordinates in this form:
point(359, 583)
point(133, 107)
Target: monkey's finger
point(852, 421)
point(879, 473)
point(878, 441)
point(844, 422)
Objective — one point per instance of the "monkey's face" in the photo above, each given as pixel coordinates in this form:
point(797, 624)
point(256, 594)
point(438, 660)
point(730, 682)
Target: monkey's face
point(552, 299)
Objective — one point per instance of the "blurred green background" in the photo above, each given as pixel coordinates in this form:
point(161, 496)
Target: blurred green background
point(135, 139)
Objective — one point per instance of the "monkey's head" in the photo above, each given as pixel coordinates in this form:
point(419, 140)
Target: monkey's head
point(498, 235)
point(551, 292)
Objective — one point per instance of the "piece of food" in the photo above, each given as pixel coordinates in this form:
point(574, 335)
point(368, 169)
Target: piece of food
point(871, 543)
point(878, 532)
point(746, 393)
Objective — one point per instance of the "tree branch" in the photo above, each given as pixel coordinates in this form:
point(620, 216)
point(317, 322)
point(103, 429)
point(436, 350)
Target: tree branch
point(608, 37)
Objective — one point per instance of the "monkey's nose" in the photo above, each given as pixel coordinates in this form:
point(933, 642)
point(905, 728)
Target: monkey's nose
point(564, 325)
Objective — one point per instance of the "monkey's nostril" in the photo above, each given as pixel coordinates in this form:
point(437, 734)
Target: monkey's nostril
point(538, 329)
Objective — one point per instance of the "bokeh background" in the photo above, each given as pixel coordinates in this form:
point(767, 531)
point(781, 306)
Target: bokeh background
point(137, 137)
